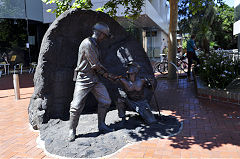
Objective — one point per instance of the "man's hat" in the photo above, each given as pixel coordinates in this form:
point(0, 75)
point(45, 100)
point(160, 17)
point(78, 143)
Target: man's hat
point(133, 67)
point(103, 28)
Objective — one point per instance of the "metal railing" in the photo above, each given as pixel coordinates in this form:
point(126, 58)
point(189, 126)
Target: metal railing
point(233, 54)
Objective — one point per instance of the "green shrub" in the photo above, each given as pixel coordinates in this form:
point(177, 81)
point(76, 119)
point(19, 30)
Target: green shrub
point(217, 69)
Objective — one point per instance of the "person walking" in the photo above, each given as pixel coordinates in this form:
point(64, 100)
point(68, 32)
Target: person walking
point(191, 54)
point(163, 55)
point(86, 75)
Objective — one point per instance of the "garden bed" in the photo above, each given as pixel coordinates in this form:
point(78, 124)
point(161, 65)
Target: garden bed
point(227, 96)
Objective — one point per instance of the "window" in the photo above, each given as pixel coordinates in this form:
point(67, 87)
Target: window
point(237, 13)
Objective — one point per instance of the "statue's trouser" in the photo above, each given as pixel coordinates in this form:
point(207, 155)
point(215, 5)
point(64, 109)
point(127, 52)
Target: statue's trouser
point(121, 108)
point(78, 103)
point(142, 107)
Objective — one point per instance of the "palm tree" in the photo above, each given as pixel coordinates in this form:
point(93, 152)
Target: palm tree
point(201, 26)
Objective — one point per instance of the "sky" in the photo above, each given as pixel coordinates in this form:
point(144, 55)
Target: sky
point(229, 2)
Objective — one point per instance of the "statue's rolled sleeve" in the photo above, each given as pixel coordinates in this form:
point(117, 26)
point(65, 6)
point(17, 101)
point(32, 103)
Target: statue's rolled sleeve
point(94, 62)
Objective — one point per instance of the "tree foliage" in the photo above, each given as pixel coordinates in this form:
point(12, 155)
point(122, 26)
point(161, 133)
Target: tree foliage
point(63, 5)
point(132, 8)
point(12, 35)
point(222, 28)
point(212, 24)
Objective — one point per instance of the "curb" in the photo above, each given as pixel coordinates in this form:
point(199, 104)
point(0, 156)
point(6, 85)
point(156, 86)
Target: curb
point(220, 95)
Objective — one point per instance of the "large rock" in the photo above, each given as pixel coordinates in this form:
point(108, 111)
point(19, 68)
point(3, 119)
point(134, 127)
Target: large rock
point(58, 57)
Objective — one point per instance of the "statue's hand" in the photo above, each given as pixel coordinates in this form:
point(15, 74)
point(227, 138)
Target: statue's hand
point(121, 77)
point(149, 82)
point(112, 77)
point(105, 75)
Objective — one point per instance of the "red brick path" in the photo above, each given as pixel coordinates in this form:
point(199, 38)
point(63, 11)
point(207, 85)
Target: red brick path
point(210, 129)
point(16, 139)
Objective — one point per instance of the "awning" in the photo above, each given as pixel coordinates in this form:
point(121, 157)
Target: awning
point(22, 9)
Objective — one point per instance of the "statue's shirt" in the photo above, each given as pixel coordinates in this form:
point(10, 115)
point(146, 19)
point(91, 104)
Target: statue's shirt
point(88, 65)
point(134, 90)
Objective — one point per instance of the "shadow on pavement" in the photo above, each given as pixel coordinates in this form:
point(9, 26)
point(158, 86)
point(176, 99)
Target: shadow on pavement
point(165, 127)
point(206, 123)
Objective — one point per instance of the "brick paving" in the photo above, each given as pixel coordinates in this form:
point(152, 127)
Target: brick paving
point(16, 139)
point(210, 129)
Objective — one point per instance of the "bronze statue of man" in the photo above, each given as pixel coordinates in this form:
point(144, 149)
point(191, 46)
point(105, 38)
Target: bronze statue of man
point(87, 71)
point(132, 94)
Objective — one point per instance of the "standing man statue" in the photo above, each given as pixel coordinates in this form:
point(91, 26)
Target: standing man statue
point(86, 76)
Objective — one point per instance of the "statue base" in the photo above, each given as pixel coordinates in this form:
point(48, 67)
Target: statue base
point(90, 143)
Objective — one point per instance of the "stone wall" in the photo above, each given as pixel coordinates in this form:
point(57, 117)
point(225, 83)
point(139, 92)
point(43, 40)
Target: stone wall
point(58, 57)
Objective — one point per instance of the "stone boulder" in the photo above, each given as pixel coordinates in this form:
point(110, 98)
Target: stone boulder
point(53, 84)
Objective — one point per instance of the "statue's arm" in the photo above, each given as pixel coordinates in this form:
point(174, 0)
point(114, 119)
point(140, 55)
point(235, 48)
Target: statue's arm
point(93, 60)
point(91, 55)
point(125, 84)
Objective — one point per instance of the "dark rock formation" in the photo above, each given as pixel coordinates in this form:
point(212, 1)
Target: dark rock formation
point(58, 57)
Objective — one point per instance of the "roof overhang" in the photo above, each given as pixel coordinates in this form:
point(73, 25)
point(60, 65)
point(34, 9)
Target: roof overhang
point(26, 9)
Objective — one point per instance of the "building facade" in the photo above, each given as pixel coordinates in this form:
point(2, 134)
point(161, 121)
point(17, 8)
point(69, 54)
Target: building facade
point(151, 26)
point(236, 27)
point(37, 21)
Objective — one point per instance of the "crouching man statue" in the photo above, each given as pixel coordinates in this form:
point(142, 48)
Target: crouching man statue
point(86, 76)
point(132, 95)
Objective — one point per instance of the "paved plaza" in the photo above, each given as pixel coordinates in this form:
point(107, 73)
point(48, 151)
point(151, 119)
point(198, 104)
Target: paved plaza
point(210, 129)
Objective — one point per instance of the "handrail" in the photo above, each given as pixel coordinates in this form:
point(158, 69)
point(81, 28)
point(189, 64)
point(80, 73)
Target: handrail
point(175, 68)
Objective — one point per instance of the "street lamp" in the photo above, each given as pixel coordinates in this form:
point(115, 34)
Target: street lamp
point(28, 44)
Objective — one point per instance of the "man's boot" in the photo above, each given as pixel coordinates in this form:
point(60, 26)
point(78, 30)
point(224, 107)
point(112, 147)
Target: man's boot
point(73, 122)
point(102, 127)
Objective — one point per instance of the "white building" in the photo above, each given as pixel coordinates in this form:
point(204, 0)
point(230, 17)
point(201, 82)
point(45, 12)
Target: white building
point(236, 27)
point(153, 23)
